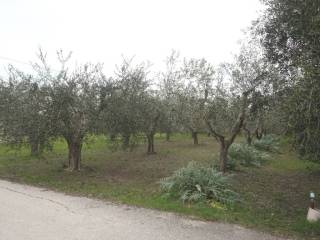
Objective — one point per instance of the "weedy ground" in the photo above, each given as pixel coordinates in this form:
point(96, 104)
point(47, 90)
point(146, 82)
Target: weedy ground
point(274, 196)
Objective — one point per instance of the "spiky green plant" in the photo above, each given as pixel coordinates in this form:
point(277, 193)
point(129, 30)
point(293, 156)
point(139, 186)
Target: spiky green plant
point(268, 143)
point(195, 183)
point(246, 155)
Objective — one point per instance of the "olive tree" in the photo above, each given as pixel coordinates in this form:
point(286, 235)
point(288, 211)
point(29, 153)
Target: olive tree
point(74, 103)
point(224, 118)
point(254, 124)
point(24, 111)
point(122, 114)
point(151, 113)
point(290, 33)
point(226, 110)
point(198, 76)
point(169, 87)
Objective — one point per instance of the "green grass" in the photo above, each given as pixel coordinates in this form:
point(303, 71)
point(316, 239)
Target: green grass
point(275, 196)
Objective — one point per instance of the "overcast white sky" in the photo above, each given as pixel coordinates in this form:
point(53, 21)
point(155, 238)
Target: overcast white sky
point(102, 30)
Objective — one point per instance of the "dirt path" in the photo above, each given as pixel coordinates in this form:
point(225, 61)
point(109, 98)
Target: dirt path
point(30, 213)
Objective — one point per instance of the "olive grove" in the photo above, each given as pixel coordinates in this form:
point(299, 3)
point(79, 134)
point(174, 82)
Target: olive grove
point(73, 102)
point(270, 87)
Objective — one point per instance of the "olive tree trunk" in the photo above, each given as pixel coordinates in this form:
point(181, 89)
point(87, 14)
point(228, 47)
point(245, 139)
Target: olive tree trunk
point(34, 145)
point(223, 157)
point(34, 149)
point(195, 138)
point(125, 141)
point(259, 133)
point(248, 135)
point(168, 135)
point(74, 156)
point(150, 132)
point(236, 128)
point(150, 138)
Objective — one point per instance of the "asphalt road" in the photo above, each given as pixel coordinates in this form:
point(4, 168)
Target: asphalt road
point(30, 213)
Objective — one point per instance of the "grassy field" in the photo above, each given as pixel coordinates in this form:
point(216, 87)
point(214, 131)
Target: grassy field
point(275, 195)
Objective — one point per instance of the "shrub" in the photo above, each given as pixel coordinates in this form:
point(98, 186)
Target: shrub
point(246, 155)
point(268, 143)
point(231, 164)
point(195, 183)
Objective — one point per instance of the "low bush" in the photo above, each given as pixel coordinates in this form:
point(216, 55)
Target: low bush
point(268, 143)
point(246, 155)
point(195, 183)
point(231, 164)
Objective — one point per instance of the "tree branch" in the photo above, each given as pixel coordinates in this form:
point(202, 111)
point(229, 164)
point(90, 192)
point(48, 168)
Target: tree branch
point(217, 136)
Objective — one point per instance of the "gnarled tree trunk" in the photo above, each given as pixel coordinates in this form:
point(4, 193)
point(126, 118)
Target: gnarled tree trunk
point(125, 141)
point(34, 145)
point(34, 149)
point(151, 131)
point(168, 134)
point(74, 153)
point(226, 143)
point(248, 135)
point(259, 133)
point(195, 138)
point(223, 157)
point(113, 137)
point(150, 138)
